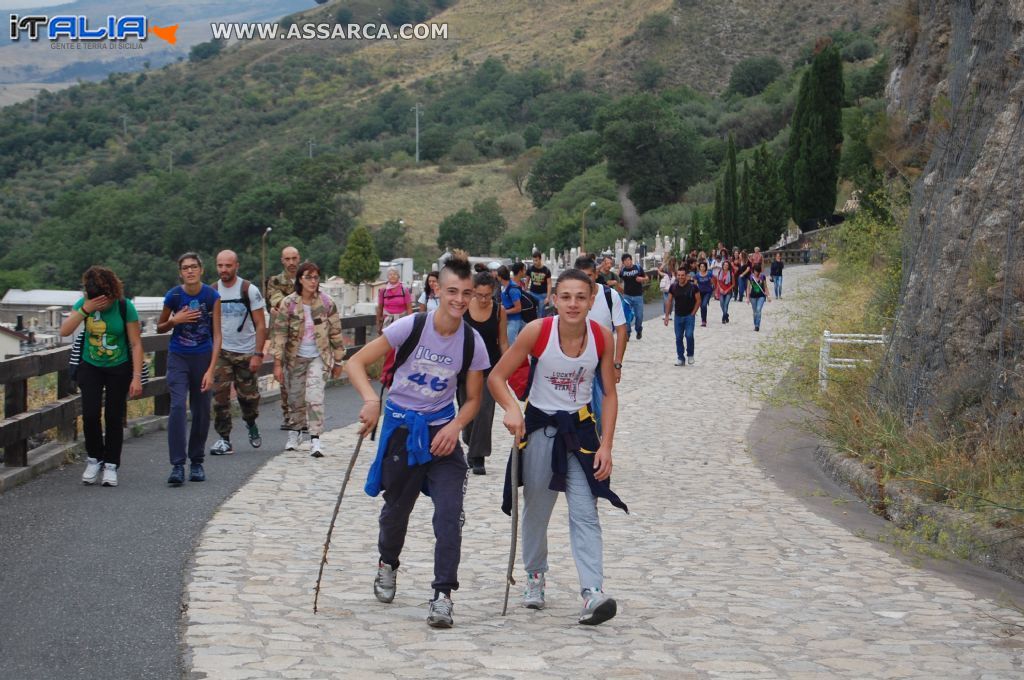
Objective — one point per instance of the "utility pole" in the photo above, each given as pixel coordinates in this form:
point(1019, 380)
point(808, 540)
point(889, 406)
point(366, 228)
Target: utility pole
point(124, 124)
point(170, 161)
point(417, 110)
point(311, 148)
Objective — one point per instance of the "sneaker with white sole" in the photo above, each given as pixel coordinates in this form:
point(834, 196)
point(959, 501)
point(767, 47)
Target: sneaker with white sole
point(533, 596)
point(691, 361)
point(315, 449)
point(386, 583)
point(109, 474)
point(680, 362)
point(293, 440)
point(255, 440)
point(440, 613)
point(597, 608)
point(222, 448)
point(92, 470)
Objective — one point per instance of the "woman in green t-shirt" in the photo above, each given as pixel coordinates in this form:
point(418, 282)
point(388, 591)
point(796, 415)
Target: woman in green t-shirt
point(112, 362)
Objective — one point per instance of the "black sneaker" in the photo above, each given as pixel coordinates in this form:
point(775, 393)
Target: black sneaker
point(478, 466)
point(639, 334)
point(255, 441)
point(196, 473)
point(177, 477)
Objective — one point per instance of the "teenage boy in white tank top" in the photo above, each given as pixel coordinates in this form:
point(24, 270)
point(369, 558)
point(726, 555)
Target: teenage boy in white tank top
point(563, 451)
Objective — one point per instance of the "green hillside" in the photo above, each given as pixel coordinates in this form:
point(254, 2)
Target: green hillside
point(311, 137)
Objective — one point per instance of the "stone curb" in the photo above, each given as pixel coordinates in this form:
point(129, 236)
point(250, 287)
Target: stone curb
point(41, 459)
point(949, 528)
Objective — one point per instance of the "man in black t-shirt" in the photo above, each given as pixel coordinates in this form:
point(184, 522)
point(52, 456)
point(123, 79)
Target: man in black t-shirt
point(684, 295)
point(633, 280)
point(540, 282)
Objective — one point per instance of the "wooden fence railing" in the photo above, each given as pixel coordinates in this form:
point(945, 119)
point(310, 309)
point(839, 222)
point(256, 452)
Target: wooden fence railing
point(19, 423)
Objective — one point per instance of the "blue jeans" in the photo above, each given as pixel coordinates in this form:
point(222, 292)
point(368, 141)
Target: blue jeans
point(757, 303)
point(184, 380)
point(635, 305)
point(512, 329)
point(741, 288)
point(538, 299)
point(684, 329)
point(724, 302)
point(705, 299)
point(778, 286)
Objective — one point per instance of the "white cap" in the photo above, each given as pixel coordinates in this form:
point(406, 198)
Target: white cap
point(493, 265)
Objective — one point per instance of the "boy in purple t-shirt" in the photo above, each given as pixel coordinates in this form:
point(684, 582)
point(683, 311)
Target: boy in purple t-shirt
point(418, 444)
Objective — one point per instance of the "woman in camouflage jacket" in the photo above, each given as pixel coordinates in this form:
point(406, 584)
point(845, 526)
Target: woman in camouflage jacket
point(306, 344)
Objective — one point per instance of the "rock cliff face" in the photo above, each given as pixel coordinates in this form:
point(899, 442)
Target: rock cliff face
point(957, 358)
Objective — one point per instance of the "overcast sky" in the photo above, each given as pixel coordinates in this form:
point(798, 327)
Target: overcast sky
point(31, 4)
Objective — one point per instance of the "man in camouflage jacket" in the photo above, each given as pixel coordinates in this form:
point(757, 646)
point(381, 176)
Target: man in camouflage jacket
point(278, 288)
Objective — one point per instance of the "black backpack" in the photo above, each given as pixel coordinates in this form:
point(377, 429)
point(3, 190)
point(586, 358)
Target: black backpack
point(244, 299)
point(406, 349)
point(528, 312)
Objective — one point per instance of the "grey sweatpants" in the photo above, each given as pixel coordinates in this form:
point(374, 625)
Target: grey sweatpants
point(539, 501)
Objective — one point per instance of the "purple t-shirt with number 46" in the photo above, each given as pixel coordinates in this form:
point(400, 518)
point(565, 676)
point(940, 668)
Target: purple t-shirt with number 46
point(426, 382)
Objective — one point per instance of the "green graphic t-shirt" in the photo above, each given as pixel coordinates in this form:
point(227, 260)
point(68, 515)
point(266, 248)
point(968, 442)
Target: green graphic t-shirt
point(106, 341)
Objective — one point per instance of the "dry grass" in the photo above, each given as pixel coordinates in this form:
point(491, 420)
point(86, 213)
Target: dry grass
point(423, 197)
point(978, 472)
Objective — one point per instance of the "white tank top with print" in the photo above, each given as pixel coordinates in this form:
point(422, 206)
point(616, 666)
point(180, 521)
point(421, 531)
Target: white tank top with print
point(562, 383)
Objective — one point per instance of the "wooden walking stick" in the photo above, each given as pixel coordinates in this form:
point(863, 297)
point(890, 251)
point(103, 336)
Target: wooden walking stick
point(509, 578)
point(334, 518)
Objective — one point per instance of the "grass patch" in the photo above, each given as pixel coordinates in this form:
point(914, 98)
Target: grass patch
point(964, 464)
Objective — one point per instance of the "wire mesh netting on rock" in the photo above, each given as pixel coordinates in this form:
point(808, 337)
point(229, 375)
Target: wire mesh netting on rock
point(957, 353)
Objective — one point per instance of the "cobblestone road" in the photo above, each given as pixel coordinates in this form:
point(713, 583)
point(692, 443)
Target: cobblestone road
point(717, 571)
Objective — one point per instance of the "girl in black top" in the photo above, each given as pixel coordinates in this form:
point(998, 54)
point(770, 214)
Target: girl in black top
point(489, 320)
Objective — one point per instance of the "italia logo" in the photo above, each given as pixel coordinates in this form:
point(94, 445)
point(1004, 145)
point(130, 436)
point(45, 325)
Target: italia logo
point(76, 27)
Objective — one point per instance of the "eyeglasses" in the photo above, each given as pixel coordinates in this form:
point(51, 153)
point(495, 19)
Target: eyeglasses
point(189, 267)
point(307, 277)
point(482, 296)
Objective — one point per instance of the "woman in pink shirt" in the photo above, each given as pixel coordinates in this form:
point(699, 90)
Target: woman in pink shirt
point(393, 301)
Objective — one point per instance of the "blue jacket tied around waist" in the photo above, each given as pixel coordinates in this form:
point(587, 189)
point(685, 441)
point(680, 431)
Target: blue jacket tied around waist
point(417, 443)
point(574, 433)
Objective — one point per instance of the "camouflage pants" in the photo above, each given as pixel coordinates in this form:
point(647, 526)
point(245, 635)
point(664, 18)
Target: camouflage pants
point(233, 369)
point(305, 379)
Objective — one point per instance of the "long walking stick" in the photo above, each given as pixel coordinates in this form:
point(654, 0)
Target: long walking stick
point(373, 435)
point(330, 530)
point(509, 579)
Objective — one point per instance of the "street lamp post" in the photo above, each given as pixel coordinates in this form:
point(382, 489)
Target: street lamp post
point(263, 258)
point(583, 228)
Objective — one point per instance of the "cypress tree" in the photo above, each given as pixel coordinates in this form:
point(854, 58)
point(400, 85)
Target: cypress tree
point(809, 184)
point(694, 237)
point(745, 225)
point(719, 217)
point(730, 207)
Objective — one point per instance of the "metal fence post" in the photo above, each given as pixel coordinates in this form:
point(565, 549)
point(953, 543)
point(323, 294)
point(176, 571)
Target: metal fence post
point(823, 361)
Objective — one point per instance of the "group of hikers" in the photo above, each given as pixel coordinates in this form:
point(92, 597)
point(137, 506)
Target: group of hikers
point(689, 286)
point(517, 330)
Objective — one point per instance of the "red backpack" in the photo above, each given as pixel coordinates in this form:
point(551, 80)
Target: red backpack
point(522, 378)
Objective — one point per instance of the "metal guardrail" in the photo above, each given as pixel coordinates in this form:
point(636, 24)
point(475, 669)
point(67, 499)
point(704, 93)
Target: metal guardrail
point(827, 361)
point(19, 423)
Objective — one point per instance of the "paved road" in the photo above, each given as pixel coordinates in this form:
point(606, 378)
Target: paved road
point(91, 578)
point(719, 572)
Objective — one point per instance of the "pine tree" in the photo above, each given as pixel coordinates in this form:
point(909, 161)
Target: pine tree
point(359, 262)
point(811, 184)
point(730, 200)
point(745, 226)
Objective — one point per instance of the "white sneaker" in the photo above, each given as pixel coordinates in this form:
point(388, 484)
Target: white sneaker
point(222, 448)
point(314, 448)
point(533, 596)
point(691, 361)
point(293, 440)
point(92, 469)
point(597, 608)
point(109, 474)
